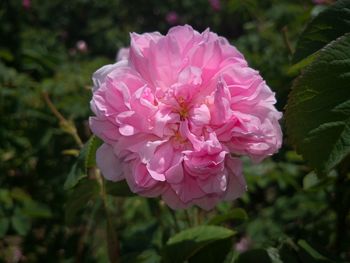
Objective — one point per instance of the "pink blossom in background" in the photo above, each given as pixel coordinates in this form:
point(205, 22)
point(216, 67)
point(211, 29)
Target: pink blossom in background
point(177, 114)
point(82, 46)
point(215, 4)
point(244, 244)
point(26, 4)
point(172, 18)
point(123, 54)
point(323, 2)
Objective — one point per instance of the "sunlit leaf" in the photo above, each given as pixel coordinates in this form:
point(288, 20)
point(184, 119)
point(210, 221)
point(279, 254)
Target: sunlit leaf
point(274, 255)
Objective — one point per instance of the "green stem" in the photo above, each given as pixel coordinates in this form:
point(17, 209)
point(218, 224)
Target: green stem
point(196, 217)
point(286, 40)
point(86, 232)
point(176, 222)
point(113, 247)
point(66, 125)
point(188, 217)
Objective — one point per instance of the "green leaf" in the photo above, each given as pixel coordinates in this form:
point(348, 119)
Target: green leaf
point(92, 145)
point(253, 256)
point(4, 225)
point(193, 241)
point(5, 54)
point(146, 256)
point(86, 159)
point(120, 189)
point(312, 252)
point(324, 28)
point(343, 108)
point(296, 68)
point(20, 195)
point(217, 252)
point(21, 224)
point(36, 210)
point(316, 125)
point(237, 214)
point(85, 191)
point(310, 180)
point(274, 255)
point(76, 174)
point(78, 170)
point(288, 253)
point(6, 198)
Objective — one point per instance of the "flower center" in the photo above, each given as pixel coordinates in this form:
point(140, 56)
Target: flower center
point(179, 142)
point(179, 138)
point(183, 111)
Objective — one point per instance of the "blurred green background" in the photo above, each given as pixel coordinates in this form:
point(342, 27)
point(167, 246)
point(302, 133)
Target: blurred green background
point(53, 47)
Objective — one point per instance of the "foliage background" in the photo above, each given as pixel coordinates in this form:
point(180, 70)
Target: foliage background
point(288, 214)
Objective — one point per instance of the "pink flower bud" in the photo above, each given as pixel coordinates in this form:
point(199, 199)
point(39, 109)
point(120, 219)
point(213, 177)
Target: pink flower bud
point(81, 46)
point(172, 18)
point(26, 4)
point(215, 5)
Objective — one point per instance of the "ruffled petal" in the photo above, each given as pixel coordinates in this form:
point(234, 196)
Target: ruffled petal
point(99, 76)
point(110, 166)
point(172, 111)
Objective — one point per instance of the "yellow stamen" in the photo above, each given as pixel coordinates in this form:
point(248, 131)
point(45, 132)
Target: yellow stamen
point(183, 108)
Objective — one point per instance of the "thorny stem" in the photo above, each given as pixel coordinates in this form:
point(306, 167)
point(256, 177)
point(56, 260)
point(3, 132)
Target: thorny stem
point(64, 123)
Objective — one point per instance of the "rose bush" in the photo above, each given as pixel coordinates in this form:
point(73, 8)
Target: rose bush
point(176, 113)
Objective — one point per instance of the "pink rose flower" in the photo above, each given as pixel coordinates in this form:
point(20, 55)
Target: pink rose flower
point(123, 54)
point(175, 116)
